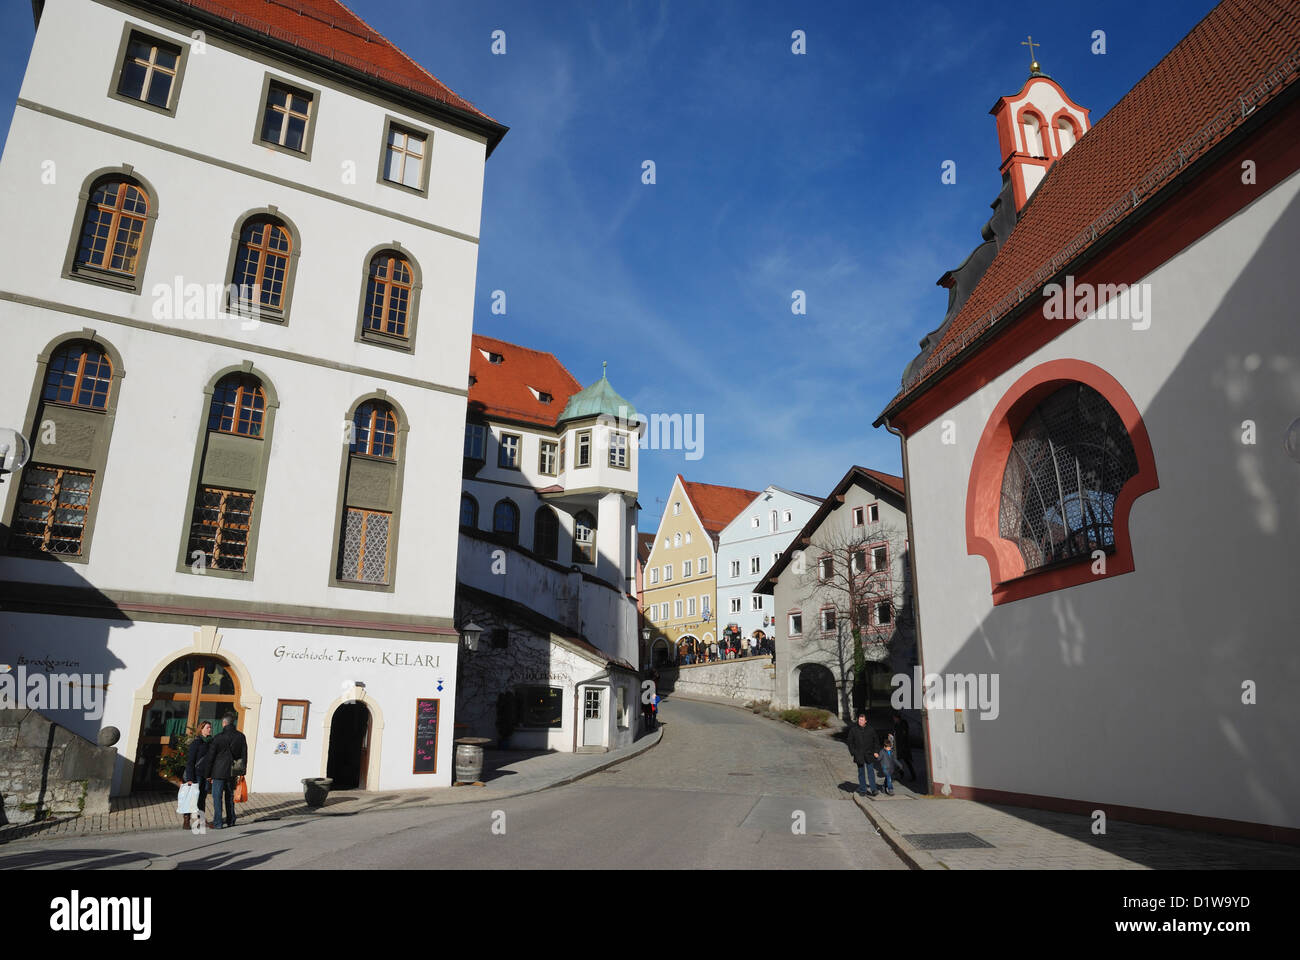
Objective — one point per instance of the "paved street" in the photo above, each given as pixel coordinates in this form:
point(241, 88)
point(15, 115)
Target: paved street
point(723, 789)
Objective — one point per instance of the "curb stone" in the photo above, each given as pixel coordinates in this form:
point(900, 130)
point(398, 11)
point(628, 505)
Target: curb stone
point(914, 858)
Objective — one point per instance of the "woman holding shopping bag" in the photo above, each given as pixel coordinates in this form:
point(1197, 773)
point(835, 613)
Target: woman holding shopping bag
point(196, 772)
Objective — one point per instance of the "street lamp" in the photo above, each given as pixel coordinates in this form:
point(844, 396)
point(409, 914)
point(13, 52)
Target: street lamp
point(470, 633)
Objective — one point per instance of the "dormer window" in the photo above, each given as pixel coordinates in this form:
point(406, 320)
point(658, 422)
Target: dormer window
point(496, 358)
point(544, 397)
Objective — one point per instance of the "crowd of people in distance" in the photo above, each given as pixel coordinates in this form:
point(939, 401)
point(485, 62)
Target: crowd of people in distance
point(731, 647)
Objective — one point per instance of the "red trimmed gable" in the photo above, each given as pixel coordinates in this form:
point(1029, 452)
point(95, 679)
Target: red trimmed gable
point(717, 506)
point(329, 29)
point(501, 389)
point(1227, 54)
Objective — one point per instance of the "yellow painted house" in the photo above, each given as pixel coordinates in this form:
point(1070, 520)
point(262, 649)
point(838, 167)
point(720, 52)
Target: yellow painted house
point(679, 586)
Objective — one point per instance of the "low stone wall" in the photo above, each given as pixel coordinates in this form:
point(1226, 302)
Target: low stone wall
point(749, 678)
point(47, 770)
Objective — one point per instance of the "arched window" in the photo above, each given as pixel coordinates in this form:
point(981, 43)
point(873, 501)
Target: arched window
point(113, 228)
point(1068, 462)
point(1065, 131)
point(546, 533)
point(262, 258)
point(584, 538)
point(374, 430)
point(238, 405)
point(79, 374)
point(1033, 135)
point(468, 511)
point(505, 520)
point(388, 294)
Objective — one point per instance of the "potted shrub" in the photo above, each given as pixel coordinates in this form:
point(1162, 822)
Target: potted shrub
point(315, 790)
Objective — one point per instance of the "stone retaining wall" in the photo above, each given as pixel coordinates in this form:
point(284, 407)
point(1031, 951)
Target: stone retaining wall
point(47, 770)
point(749, 678)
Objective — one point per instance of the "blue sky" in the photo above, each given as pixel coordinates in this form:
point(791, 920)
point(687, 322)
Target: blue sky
point(775, 172)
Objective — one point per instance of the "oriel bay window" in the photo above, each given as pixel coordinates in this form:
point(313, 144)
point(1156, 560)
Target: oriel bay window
point(370, 494)
point(70, 421)
point(230, 466)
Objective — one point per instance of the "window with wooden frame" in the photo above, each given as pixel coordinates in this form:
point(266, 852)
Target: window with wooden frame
point(262, 260)
point(582, 456)
point(50, 516)
point(79, 374)
point(858, 514)
point(505, 520)
point(388, 295)
point(374, 430)
point(873, 513)
point(219, 529)
point(150, 72)
point(828, 619)
point(363, 554)
point(468, 511)
point(286, 117)
point(238, 406)
point(879, 558)
point(548, 458)
point(618, 450)
point(509, 448)
point(826, 569)
point(405, 155)
point(113, 229)
point(795, 624)
point(584, 539)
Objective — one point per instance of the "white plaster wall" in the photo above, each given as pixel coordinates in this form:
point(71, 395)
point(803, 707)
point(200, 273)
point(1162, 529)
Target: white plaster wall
point(130, 655)
point(1129, 689)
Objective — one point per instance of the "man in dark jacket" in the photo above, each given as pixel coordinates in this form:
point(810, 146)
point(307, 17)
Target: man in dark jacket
point(227, 748)
point(864, 745)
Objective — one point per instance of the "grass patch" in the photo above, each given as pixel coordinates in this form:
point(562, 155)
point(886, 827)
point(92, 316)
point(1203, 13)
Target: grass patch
point(809, 718)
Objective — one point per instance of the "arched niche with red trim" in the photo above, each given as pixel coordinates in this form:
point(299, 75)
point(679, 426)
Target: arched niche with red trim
point(1007, 574)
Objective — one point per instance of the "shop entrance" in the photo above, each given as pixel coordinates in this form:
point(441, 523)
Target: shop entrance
point(349, 755)
point(187, 692)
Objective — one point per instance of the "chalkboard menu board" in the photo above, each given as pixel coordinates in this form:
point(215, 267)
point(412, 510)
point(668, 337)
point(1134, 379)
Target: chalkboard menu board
point(426, 736)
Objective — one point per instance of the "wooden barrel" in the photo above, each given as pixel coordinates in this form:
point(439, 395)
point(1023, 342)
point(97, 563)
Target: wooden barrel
point(469, 761)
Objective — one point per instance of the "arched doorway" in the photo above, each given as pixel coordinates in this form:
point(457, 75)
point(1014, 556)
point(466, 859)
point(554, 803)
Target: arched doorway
point(187, 692)
point(688, 646)
point(817, 687)
point(660, 656)
point(349, 750)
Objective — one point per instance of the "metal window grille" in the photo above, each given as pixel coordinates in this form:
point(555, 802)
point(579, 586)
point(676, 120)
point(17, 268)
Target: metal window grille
point(52, 508)
point(364, 553)
point(1067, 465)
point(219, 529)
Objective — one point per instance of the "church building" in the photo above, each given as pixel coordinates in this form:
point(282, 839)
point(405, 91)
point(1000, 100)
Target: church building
point(1101, 449)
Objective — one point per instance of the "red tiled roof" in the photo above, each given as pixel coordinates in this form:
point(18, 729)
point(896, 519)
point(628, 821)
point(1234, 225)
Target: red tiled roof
point(1187, 100)
point(645, 543)
point(329, 29)
point(501, 389)
point(717, 506)
point(888, 479)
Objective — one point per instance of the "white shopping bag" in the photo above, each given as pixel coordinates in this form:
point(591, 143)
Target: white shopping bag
point(187, 798)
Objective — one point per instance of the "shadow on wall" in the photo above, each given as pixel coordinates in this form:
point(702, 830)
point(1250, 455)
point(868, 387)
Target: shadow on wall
point(1128, 691)
point(54, 676)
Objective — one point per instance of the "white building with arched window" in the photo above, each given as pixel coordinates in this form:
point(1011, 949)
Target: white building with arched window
point(232, 361)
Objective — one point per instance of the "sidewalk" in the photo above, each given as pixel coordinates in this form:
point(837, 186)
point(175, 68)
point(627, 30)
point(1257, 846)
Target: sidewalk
point(506, 773)
point(1021, 838)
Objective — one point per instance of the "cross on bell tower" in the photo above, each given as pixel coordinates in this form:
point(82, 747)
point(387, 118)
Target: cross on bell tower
point(1033, 61)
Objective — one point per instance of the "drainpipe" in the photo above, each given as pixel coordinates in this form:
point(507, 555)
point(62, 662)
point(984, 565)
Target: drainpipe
point(916, 599)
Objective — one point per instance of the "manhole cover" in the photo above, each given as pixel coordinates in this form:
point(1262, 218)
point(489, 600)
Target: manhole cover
point(945, 841)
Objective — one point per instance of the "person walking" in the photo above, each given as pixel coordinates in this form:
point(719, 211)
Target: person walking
point(227, 761)
point(196, 767)
point(864, 746)
point(903, 738)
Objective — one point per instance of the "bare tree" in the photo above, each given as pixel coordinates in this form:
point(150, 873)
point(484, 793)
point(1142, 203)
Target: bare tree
point(854, 582)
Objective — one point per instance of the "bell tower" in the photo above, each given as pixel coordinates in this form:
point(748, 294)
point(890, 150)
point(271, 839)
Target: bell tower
point(1035, 129)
